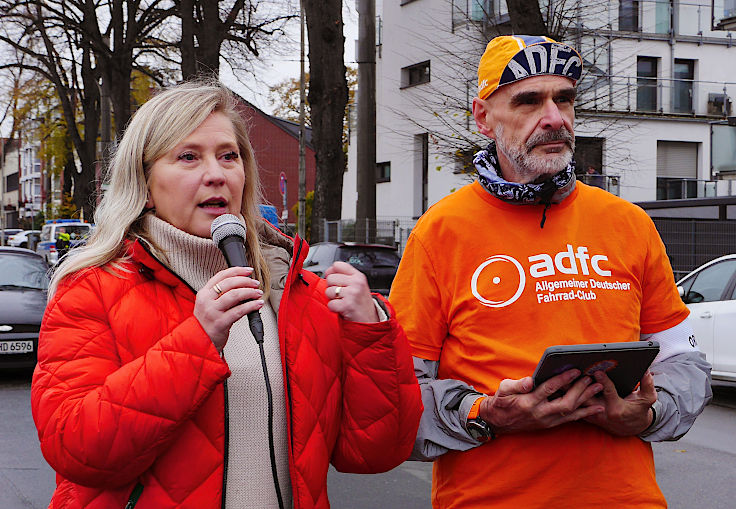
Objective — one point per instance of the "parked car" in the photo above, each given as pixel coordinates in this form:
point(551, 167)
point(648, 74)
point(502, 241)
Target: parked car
point(23, 286)
point(7, 233)
point(78, 230)
point(26, 238)
point(377, 261)
point(710, 293)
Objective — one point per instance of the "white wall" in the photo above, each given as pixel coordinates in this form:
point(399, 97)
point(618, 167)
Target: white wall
point(422, 30)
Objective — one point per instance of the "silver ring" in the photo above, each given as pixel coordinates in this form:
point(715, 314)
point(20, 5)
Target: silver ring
point(337, 292)
point(217, 289)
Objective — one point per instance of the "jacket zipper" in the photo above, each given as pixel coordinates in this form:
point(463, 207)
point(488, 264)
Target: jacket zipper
point(226, 445)
point(294, 487)
point(224, 387)
point(134, 496)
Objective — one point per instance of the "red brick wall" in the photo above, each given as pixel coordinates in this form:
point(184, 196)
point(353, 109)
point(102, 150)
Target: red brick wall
point(276, 150)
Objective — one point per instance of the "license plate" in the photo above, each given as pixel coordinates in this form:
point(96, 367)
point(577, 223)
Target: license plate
point(11, 347)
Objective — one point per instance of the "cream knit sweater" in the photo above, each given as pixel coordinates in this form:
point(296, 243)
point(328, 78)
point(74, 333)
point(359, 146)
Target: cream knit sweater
point(249, 478)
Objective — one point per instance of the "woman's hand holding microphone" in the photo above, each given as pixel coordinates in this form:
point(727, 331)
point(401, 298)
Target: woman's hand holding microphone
point(227, 297)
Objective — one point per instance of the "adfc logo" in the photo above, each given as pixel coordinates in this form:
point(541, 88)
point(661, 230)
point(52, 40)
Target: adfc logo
point(500, 280)
point(502, 283)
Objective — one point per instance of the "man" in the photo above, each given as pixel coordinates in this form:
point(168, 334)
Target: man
point(594, 178)
point(63, 242)
point(522, 259)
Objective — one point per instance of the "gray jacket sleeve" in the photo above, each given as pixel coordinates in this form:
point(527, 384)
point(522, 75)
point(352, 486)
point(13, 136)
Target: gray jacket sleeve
point(682, 379)
point(446, 406)
point(683, 389)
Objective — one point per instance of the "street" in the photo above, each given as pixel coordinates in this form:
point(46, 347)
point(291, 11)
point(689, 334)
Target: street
point(697, 471)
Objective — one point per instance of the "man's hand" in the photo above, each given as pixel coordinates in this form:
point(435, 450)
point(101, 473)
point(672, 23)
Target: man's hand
point(516, 407)
point(628, 416)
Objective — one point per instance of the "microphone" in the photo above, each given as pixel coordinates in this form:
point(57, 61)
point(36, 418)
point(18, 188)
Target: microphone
point(228, 233)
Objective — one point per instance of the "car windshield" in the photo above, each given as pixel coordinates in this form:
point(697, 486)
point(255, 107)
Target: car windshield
point(22, 271)
point(76, 231)
point(366, 257)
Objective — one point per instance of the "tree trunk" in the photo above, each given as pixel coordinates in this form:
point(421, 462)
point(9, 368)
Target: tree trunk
point(85, 189)
point(328, 95)
point(526, 17)
point(68, 174)
point(211, 32)
point(186, 45)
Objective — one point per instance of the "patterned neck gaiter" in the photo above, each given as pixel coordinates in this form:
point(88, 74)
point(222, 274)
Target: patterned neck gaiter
point(553, 190)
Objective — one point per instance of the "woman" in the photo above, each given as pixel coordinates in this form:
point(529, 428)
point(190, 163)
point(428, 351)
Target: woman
point(143, 329)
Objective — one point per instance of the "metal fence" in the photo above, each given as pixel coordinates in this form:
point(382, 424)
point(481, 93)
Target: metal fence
point(689, 242)
point(692, 242)
point(394, 232)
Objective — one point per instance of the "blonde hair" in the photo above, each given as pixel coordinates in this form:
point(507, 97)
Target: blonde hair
point(157, 127)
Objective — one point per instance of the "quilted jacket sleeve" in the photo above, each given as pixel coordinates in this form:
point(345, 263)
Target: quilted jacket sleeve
point(381, 399)
point(103, 421)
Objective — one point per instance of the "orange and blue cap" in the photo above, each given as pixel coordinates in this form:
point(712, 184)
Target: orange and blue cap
point(510, 58)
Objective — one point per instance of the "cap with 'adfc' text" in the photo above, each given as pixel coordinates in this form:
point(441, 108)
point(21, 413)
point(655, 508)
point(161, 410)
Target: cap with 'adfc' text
point(510, 58)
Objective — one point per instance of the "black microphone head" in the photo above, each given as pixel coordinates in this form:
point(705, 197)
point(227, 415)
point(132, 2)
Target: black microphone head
point(227, 225)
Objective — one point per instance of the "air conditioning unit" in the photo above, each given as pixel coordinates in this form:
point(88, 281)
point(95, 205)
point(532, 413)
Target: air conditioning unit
point(719, 105)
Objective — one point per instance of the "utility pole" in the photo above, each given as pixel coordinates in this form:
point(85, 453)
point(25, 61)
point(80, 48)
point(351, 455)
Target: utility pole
point(105, 130)
point(366, 151)
point(2, 190)
point(302, 225)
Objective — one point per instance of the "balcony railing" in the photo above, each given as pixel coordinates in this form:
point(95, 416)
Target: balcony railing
point(675, 188)
point(608, 182)
point(655, 18)
point(656, 95)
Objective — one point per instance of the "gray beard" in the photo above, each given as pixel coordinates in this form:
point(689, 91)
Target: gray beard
point(529, 166)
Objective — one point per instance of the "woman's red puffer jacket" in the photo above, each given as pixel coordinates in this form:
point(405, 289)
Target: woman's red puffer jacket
point(128, 391)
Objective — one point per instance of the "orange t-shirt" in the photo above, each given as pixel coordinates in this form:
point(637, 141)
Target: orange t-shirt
point(484, 290)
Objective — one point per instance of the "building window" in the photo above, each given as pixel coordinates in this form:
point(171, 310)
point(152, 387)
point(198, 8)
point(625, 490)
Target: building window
point(383, 172)
point(415, 74)
point(729, 8)
point(663, 16)
point(588, 152)
point(677, 170)
point(628, 15)
point(683, 93)
point(11, 182)
point(467, 11)
point(646, 84)
point(421, 173)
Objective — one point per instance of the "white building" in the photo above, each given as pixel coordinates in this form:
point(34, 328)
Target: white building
point(658, 87)
point(9, 172)
point(30, 181)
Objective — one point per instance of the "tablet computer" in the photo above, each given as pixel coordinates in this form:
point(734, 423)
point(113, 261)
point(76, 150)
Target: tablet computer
point(624, 363)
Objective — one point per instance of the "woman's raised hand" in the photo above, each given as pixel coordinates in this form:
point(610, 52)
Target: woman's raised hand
point(227, 297)
point(349, 294)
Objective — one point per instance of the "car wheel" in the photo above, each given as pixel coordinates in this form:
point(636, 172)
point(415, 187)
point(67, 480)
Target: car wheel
point(24, 245)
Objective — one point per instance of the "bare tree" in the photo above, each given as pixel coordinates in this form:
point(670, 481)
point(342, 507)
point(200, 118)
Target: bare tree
point(65, 59)
point(328, 95)
point(244, 27)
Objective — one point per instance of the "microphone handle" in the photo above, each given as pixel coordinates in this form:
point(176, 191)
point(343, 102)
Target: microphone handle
point(234, 251)
point(232, 248)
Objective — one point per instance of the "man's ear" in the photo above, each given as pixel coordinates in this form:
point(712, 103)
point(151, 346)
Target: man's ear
point(483, 117)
